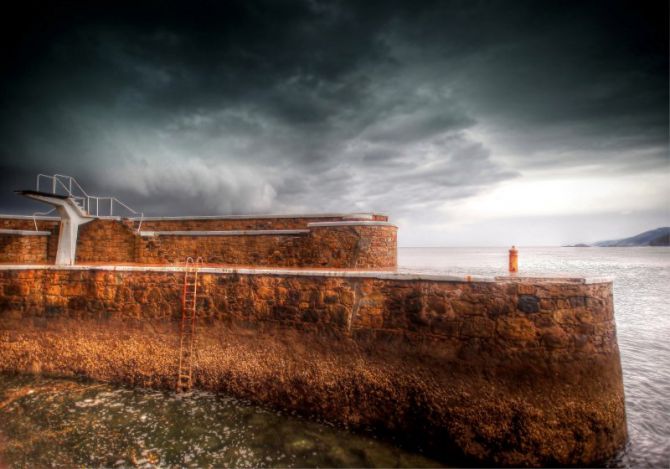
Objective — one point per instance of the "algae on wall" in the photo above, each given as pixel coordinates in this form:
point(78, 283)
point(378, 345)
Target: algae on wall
point(514, 373)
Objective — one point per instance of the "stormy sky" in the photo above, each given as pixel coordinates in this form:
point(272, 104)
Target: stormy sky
point(469, 123)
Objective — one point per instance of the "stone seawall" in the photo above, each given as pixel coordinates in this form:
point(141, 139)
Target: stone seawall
point(507, 371)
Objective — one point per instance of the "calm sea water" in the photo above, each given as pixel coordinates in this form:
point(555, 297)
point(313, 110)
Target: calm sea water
point(46, 421)
point(642, 309)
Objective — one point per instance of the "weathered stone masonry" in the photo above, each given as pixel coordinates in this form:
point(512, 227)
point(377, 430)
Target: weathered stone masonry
point(363, 241)
point(511, 371)
point(21, 243)
point(26, 248)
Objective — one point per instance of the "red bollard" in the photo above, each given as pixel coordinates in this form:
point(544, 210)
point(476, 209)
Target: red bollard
point(513, 260)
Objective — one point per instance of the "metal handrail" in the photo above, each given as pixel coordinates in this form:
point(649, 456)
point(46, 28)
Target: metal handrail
point(35, 214)
point(74, 190)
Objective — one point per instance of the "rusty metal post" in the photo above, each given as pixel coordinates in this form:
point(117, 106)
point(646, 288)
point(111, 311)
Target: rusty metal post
point(513, 260)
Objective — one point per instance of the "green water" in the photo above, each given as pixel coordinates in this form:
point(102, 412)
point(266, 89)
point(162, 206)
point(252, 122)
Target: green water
point(61, 422)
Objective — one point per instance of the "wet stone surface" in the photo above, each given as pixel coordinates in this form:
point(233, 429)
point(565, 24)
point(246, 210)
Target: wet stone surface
point(48, 422)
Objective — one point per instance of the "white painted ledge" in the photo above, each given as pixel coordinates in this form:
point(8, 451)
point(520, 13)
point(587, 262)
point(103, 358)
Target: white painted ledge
point(349, 223)
point(25, 232)
point(29, 217)
point(567, 278)
point(365, 215)
point(226, 233)
point(360, 216)
point(385, 274)
point(344, 273)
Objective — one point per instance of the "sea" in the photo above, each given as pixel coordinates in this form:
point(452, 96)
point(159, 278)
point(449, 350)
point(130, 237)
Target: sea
point(47, 422)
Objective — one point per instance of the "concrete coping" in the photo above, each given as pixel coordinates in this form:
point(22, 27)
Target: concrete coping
point(225, 233)
point(359, 216)
point(30, 217)
point(567, 278)
point(346, 273)
point(289, 232)
point(350, 223)
point(25, 232)
point(365, 215)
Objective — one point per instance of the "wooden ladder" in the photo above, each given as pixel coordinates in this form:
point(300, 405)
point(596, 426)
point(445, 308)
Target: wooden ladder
point(187, 327)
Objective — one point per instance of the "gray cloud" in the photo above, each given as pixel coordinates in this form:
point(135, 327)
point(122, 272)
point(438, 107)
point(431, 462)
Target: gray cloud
point(319, 106)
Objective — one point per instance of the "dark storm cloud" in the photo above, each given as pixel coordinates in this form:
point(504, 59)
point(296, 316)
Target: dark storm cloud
point(267, 106)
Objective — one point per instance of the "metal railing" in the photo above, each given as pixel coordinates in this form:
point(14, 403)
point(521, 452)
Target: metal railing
point(36, 214)
point(92, 205)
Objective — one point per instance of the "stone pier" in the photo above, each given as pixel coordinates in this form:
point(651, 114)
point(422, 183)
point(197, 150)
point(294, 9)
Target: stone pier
point(504, 371)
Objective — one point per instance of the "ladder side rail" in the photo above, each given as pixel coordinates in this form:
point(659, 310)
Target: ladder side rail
point(185, 359)
point(194, 306)
point(181, 342)
point(181, 328)
point(194, 312)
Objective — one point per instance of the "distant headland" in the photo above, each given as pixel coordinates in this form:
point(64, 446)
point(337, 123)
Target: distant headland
point(657, 237)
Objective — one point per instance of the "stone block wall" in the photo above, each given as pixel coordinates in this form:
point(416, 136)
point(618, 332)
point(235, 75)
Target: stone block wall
point(20, 249)
point(26, 223)
point(257, 250)
point(106, 241)
point(353, 246)
point(523, 372)
point(248, 223)
point(362, 244)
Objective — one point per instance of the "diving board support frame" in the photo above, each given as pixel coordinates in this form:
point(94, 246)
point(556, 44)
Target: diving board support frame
point(71, 217)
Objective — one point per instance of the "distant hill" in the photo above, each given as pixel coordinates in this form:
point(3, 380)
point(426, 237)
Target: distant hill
point(657, 237)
